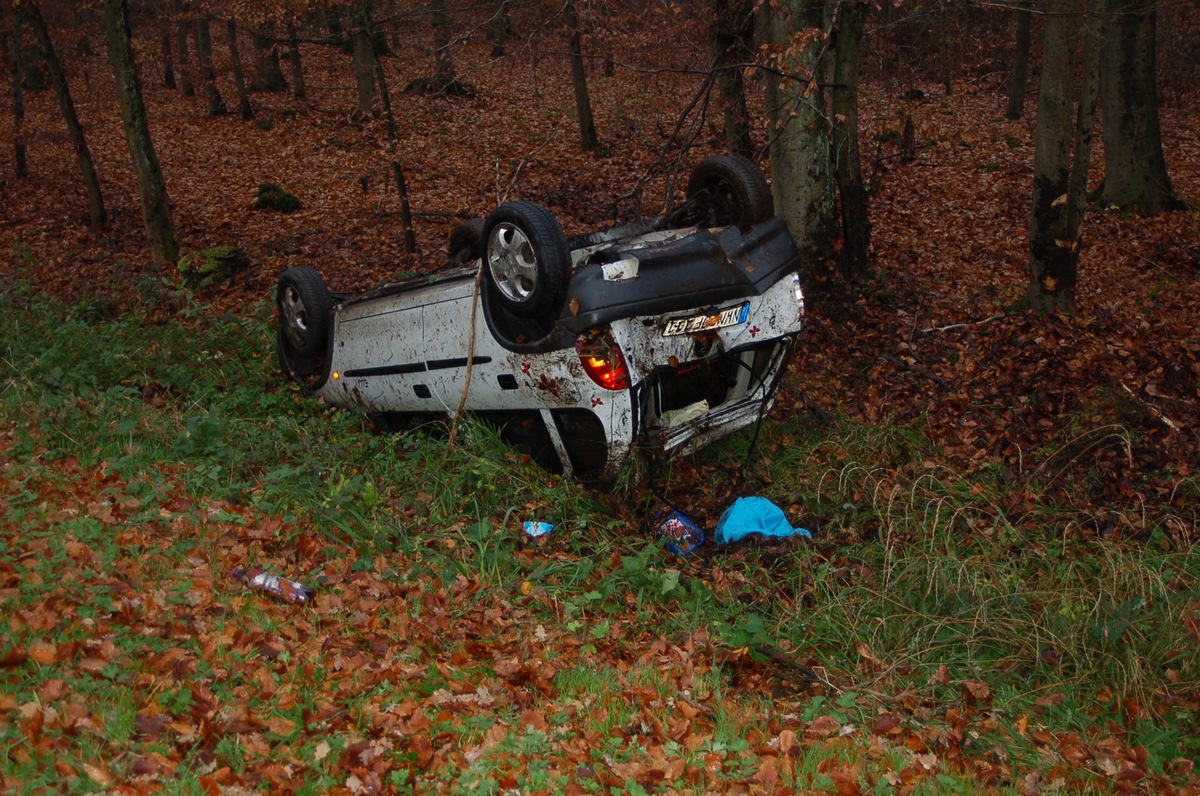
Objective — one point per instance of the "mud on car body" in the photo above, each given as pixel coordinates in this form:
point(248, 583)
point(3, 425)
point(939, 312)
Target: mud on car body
point(665, 334)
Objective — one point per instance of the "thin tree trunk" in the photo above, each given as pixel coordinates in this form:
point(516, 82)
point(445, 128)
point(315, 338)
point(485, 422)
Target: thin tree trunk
point(853, 259)
point(186, 85)
point(21, 166)
point(156, 207)
point(443, 74)
point(1018, 78)
point(364, 80)
point(239, 77)
point(299, 91)
point(583, 103)
point(1054, 260)
point(946, 45)
point(58, 78)
point(268, 74)
point(216, 103)
point(164, 40)
point(498, 27)
point(385, 103)
point(733, 39)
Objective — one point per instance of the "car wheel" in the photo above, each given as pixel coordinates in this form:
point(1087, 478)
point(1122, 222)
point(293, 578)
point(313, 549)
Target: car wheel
point(466, 241)
point(304, 305)
point(729, 189)
point(526, 260)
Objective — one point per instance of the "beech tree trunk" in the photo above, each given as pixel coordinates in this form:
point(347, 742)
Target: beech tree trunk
point(20, 165)
point(245, 109)
point(498, 27)
point(443, 74)
point(853, 259)
point(268, 74)
point(216, 103)
point(156, 207)
point(1019, 75)
point(385, 103)
point(733, 41)
point(1135, 170)
point(801, 167)
point(62, 90)
point(186, 86)
point(299, 90)
point(947, 55)
point(1062, 152)
point(364, 79)
point(164, 43)
point(588, 139)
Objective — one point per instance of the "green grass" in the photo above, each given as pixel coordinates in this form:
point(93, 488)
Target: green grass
point(141, 458)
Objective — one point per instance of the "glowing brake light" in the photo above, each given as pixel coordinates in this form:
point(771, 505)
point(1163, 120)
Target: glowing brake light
point(602, 360)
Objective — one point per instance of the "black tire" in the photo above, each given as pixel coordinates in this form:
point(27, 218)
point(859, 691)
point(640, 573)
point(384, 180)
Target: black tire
point(465, 243)
point(526, 261)
point(304, 305)
point(728, 189)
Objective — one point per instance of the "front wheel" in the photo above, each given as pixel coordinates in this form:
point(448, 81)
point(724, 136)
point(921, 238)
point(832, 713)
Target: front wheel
point(525, 259)
point(304, 304)
point(728, 189)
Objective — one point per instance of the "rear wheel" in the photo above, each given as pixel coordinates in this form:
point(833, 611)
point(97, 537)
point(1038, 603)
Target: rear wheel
point(304, 304)
point(466, 241)
point(526, 260)
point(728, 189)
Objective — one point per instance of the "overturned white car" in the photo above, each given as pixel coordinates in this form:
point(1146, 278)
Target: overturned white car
point(664, 334)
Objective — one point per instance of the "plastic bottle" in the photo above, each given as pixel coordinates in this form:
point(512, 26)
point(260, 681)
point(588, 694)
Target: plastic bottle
point(275, 585)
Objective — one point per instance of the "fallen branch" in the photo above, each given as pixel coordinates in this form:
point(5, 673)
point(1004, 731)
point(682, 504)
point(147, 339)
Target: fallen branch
point(989, 319)
point(1154, 410)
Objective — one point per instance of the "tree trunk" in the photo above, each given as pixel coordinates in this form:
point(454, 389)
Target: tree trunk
point(801, 169)
point(385, 104)
point(946, 47)
point(1018, 78)
point(186, 86)
point(156, 207)
point(216, 103)
point(58, 78)
point(1058, 183)
point(1085, 125)
point(498, 27)
point(853, 259)
point(583, 103)
point(332, 22)
point(733, 39)
point(1135, 171)
point(443, 74)
point(299, 91)
point(364, 79)
point(21, 166)
point(239, 77)
point(268, 74)
point(164, 41)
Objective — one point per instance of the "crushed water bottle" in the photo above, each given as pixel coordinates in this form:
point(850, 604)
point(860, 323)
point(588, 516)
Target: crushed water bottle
point(275, 585)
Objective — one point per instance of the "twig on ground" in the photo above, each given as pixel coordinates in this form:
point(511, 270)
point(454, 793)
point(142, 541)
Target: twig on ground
point(947, 328)
point(1154, 410)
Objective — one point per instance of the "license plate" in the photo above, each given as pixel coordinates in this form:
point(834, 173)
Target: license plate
point(700, 323)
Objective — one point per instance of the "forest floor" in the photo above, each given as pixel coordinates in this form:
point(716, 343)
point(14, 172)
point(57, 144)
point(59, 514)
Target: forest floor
point(1108, 397)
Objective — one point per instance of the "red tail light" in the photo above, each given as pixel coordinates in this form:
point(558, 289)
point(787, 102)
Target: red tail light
point(601, 358)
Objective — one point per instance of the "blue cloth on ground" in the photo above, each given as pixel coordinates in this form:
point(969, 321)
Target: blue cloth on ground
point(750, 515)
